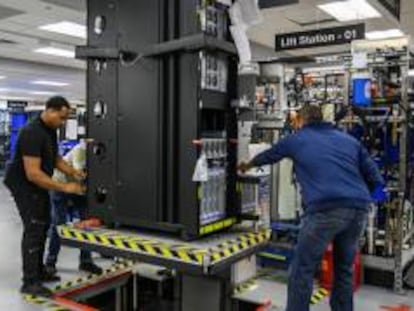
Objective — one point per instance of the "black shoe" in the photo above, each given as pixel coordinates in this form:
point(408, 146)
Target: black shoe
point(90, 267)
point(48, 276)
point(36, 290)
point(50, 269)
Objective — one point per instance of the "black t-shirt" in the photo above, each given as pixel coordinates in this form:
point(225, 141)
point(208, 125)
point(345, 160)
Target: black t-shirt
point(34, 140)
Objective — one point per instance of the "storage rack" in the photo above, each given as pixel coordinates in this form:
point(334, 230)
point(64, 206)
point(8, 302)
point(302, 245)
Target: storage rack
point(394, 258)
point(389, 237)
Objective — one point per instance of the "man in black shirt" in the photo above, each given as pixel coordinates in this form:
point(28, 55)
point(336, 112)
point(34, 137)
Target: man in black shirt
point(28, 178)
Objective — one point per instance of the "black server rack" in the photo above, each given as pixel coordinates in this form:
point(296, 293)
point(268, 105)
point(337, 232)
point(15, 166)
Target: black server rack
point(161, 78)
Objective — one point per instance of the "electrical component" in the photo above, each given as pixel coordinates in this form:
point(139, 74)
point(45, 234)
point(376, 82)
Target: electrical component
point(212, 197)
point(214, 72)
point(214, 20)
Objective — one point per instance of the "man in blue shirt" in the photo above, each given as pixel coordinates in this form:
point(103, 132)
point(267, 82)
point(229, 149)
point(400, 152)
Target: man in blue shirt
point(334, 171)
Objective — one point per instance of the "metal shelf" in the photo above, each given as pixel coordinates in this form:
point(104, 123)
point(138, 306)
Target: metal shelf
point(375, 119)
point(387, 263)
point(378, 262)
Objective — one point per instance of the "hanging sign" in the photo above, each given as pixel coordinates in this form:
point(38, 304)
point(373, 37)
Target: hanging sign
point(320, 37)
point(16, 105)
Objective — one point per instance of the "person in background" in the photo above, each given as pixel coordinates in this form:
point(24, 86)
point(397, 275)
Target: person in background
point(333, 170)
point(29, 179)
point(61, 202)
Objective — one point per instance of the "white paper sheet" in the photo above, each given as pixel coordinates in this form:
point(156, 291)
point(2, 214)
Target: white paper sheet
point(360, 60)
point(71, 129)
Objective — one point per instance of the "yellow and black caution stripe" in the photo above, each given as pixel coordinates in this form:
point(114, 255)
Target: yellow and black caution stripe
point(319, 295)
point(245, 286)
point(242, 242)
point(48, 304)
point(76, 283)
point(252, 282)
point(81, 281)
point(181, 252)
point(217, 226)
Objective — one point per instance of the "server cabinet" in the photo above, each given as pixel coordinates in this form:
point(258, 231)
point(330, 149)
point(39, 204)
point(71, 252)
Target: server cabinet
point(164, 100)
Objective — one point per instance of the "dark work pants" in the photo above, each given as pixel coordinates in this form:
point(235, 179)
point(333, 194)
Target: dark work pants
point(342, 227)
point(60, 211)
point(34, 210)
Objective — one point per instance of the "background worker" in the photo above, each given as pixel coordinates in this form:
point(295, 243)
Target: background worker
point(28, 178)
point(333, 170)
point(76, 157)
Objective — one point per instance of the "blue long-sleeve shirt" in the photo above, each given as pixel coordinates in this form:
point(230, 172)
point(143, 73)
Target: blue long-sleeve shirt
point(332, 168)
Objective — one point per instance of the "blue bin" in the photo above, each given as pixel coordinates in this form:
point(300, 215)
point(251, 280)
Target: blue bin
point(362, 90)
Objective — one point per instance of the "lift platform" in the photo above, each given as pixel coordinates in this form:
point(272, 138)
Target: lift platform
point(73, 294)
point(205, 256)
point(204, 269)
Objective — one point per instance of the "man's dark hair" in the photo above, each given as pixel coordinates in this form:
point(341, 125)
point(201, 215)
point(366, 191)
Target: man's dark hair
point(311, 113)
point(57, 103)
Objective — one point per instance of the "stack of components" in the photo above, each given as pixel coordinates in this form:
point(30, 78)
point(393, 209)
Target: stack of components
point(213, 191)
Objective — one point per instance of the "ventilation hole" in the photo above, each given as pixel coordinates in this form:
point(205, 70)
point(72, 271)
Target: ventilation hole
point(99, 66)
point(99, 25)
point(99, 149)
point(100, 110)
point(101, 194)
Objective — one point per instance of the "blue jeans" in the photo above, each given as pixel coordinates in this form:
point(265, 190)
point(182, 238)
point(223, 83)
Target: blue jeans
point(341, 226)
point(59, 215)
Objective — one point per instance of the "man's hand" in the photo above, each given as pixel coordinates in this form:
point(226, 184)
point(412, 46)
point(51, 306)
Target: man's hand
point(79, 175)
point(74, 188)
point(244, 167)
point(380, 195)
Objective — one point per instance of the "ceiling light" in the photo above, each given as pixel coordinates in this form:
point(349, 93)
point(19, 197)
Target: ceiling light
point(20, 92)
point(345, 11)
point(8, 97)
point(411, 72)
point(24, 91)
point(384, 34)
point(2, 77)
point(56, 52)
point(66, 28)
point(42, 93)
point(51, 83)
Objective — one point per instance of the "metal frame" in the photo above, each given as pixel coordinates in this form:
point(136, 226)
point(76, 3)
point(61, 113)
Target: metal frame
point(399, 260)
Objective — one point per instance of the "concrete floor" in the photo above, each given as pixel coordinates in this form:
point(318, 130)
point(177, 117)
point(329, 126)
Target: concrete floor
point(10, 259)
point(367, 299)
